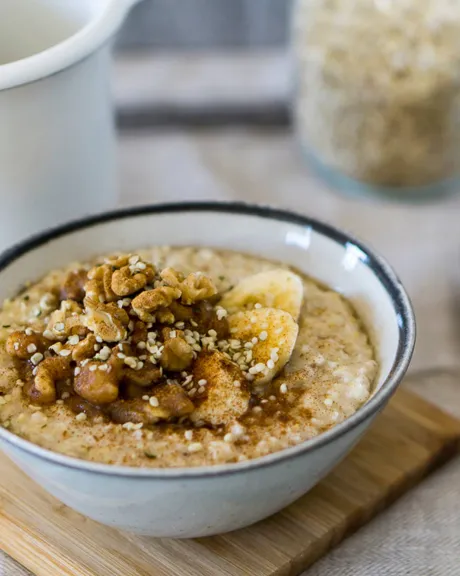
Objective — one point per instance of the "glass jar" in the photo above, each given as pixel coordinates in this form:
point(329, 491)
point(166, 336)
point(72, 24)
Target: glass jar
point(377, 93)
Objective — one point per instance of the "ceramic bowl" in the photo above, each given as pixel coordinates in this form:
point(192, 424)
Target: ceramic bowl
point(193, 502)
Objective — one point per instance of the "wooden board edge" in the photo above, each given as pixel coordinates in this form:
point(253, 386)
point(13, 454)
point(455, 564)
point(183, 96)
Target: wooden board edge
point(362, 517)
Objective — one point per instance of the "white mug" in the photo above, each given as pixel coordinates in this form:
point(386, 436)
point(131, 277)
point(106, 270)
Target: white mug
point(57, 138)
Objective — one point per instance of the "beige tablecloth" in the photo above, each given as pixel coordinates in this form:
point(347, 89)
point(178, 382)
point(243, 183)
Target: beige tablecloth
point(420, 534)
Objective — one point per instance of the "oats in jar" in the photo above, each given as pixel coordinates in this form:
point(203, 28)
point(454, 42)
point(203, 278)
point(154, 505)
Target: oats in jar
point(211, 357)
point(377, 91)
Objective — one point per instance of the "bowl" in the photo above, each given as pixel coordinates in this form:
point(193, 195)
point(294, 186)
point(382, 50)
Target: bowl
point(195, 502)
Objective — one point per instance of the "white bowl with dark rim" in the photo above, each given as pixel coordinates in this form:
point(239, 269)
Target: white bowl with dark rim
point(192, 502)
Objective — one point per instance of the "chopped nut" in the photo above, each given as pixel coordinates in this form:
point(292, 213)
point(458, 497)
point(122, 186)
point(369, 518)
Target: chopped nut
point(207, 320)
point(107, 321)
point(136, 411)
point(153, 301)
point(65, 321)
point(173, 398)
point(146, 376)
point(50, 371)
point(96, 386)
point(99, 285)
point(21, 345)
point(177, 355)
point(84, 349)
point(126, 282)
point(197, 287)
point(165, 316)
point(172, 277)
point(72, 288)
point(140, 333)
point(180, 312)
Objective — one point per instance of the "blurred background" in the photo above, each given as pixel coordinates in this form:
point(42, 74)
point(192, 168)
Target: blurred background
point(172, 24)
point(204, 91)
point(204, 62)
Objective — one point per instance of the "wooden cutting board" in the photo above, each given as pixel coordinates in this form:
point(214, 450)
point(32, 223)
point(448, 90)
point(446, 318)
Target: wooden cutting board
point(409, 439)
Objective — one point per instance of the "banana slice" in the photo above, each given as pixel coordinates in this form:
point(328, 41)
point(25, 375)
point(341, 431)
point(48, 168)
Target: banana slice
point(279, 288)
point(276, 333)
point(225, 393)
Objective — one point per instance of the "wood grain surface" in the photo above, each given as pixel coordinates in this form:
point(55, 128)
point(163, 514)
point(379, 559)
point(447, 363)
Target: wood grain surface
point(409, 439)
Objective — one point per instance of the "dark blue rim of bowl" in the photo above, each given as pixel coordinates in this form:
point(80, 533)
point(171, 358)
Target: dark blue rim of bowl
point(381, 269)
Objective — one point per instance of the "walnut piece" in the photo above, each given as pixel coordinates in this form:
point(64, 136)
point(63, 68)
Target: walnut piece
point(177, 355)
point(128, 280)
point(181, 312)
point(49, 372)
point(145, 377)
point(172, 277)
point(66, 321)
point(99, 285)
point(95, 385)
point(106, 321)
point(118, 260)
point(207, 319)
point(150, 301)
point(139, 333)
point(79, 405)
point(72, 287)
point(197, 287)
point(174, 399)
point(165, 316)
point(132, 391)
point(137, 411)
point(84, 349)
point(194, 288)
point(173, 402)
point(23, 346)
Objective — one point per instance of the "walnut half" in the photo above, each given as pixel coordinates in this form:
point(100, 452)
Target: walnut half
point(195, 288)
point(131, 279)
point(146, 304)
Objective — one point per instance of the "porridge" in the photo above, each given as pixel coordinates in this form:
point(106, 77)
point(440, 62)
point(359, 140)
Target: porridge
point(179, 357)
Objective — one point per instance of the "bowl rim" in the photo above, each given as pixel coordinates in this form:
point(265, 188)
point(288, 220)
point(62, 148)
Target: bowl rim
point(376, 263)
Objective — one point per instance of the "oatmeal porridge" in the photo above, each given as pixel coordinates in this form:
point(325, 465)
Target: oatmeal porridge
point(179, 357)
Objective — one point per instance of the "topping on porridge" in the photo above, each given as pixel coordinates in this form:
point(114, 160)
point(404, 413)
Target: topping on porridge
point(136, 360)
point(279, 289)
